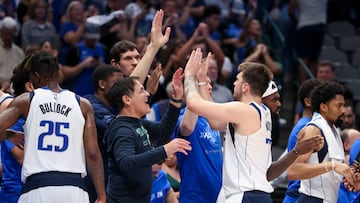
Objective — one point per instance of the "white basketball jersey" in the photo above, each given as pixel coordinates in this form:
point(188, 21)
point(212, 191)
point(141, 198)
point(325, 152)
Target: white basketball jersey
point(247, 159)
point(324, 186)
point(54, 134)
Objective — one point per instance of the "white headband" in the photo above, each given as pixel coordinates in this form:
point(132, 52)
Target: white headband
point(272, 88)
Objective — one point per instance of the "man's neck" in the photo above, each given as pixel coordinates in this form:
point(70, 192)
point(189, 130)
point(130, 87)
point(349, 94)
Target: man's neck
point(128, 112)
point(307, 112)
point(329, 122)
point(102, 98)
point(250, 98)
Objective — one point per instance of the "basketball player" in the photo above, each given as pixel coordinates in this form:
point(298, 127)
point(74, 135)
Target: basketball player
point(60, 138)
point(321, 172)
point(247, 166)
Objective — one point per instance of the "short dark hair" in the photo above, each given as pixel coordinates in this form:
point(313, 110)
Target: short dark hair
point(257, 75)
point(324, 93)
point(327, 63)
point(212, 10)
point(120, 88)
point(122, 47)
point(306, 89)
point(43, 63)
point(19, 77)
point(103, 72)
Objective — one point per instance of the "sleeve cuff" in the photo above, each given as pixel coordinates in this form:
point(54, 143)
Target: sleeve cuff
point(9, 145)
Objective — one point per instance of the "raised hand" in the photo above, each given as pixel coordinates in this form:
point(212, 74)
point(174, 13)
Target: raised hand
point(202, 75)
point(177, 84)
point(158, 39)
point(194, 63)
point(304, 146)
point(152, 83)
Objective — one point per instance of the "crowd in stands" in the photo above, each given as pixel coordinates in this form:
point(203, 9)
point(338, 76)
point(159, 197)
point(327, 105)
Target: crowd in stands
point(124, 55)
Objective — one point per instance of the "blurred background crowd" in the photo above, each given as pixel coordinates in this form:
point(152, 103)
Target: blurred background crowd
point(296, 39)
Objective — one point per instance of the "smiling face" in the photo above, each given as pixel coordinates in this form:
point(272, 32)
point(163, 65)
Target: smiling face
point(138, 101)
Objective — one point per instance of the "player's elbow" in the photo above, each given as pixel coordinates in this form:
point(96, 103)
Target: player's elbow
point(292, 174)
point(186, 129)
point(93, 155)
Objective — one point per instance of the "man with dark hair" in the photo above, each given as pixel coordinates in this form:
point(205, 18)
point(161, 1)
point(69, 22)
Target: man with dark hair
point(304, 94)
point(103, 78)
point(271, 98)
point(128, 140)
point(126, 56)
point(321, 171)
point(325, 71)
point(349, 120)
point(59, 126)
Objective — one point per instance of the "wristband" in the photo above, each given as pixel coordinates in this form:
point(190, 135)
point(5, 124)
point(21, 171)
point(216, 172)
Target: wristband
point(176, 100)
point(332, 164)
point(296, 152)
point(201, 83)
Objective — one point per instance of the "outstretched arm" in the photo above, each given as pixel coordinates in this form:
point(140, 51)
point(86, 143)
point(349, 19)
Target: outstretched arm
point(158, 39)
point(303, 146)
point(225, 112)
point(301, 169)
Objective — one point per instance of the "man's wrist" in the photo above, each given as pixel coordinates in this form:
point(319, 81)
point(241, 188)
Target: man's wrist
point(176, 100)
point(297, 154)
point(175, 104)
point(201, 83)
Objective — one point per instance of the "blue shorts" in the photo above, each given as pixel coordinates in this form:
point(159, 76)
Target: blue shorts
point(256, 196)
point(308, 199)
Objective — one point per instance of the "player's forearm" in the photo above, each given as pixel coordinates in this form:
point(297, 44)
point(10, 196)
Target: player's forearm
point(279, 166)
point(143, 67)
point(188, 123)
point(299, 171)
point(96, 171)
point(214, 124)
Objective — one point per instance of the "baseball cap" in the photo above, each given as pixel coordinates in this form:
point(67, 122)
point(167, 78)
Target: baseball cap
point(92, 30)
point(272, 88)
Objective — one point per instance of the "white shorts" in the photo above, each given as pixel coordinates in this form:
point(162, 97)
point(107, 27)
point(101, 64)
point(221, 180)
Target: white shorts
point(55, 194)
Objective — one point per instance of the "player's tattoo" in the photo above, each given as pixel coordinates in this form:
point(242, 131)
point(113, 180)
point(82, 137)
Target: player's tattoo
point(189, 85)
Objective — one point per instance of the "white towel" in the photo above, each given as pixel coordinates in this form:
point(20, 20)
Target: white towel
point(335, 146)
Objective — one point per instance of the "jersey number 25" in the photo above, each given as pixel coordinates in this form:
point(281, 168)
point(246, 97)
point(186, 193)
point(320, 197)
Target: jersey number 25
point(54, 129)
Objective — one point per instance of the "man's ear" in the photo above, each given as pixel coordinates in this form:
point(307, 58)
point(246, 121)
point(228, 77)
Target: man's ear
point(29, 87)
point(113, 62)
point(245, 87)
point(101, 84)
point(126, 99)
point(323, 107)
point(307, 102)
